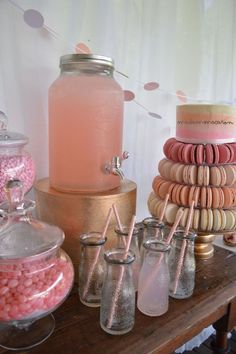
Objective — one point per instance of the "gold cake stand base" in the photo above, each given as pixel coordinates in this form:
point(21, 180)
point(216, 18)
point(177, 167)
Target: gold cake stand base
point(204, 249)
point(77, 213)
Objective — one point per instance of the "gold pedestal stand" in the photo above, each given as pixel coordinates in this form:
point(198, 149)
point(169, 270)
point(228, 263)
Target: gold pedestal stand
point(77, 213)
point(204, 249)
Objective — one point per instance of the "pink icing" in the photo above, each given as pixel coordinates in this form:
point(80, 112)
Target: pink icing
point(201, 133)
point(205, 127)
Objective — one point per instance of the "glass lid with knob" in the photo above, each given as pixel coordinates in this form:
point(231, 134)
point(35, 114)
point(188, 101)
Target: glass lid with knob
point(36, 275)
point(20, 234)
point(8, 138)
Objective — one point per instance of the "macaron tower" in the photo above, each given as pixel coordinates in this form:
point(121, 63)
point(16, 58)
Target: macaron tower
point(199, 165)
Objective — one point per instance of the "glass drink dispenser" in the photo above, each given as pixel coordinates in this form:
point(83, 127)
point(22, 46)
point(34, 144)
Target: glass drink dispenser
point(85, 125)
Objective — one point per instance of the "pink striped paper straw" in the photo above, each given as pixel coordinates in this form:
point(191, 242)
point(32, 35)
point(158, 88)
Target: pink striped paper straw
point(183, 247)
point(119, 222)
point(174, 227)
point(91, 271)
point(162, 214)
point(117, 217)
point(119, 283)
point(108, 218)
point(164, 207)
point(167, 243)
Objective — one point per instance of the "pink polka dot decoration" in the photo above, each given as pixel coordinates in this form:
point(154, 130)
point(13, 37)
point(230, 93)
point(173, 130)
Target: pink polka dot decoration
point(33, 18)
point(82, 48)
point(150, 86)
point(128, 96)
point(181, 96)
point(154, 115)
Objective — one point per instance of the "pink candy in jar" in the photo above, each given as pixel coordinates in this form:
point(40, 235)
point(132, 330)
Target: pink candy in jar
point(36, 276)
point(30, 288)
point(14, 161)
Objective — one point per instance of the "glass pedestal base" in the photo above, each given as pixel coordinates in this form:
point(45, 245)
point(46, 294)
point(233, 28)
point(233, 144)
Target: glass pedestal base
point(25, 335)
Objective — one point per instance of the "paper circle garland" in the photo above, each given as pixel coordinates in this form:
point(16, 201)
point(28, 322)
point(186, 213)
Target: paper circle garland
point(128, 95)
point(181, 96)
point(154, 115)
point(33, 18)
point(82, 48)
point(150, 86)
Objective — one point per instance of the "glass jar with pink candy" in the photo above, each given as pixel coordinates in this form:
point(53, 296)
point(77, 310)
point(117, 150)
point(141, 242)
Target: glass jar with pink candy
point(36, 276)
point(15, 162)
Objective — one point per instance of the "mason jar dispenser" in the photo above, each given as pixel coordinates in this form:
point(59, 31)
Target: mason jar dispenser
point(85, 125)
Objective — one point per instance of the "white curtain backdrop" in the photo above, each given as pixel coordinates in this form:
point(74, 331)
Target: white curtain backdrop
point(187, 45)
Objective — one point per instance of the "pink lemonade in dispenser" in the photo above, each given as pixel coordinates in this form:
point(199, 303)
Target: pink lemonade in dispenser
point(85, 124)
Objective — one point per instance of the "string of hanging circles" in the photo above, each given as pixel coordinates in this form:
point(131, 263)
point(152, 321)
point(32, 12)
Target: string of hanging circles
point(35, 19)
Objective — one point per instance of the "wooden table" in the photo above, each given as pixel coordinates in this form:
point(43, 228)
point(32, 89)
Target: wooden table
point(213, 302)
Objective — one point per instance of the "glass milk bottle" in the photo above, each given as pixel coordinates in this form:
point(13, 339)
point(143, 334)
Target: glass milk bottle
point(118, 294)
point(91, 268)
point(122, 237)
point(152, 228)
point(153, 285)
point(140, 227)
point(85, 125)
point(182, 265)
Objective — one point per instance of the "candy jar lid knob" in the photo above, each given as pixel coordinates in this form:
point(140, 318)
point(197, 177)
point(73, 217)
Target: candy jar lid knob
point(14, 190)
point(3, 121)
point(15, 204)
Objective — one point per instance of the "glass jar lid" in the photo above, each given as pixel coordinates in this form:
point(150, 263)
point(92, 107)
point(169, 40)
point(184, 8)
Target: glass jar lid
point(76, 58)
point(20, 234)
point(7, 138)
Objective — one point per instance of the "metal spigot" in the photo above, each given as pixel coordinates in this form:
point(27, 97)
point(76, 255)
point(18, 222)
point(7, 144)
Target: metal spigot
point(115, 165)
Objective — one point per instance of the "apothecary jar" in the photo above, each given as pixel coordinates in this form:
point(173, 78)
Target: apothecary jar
point(35, 274)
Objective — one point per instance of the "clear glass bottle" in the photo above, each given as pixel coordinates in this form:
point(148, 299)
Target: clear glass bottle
point(152, 228)
point(122, 237)
point(15, 162)
point(91, 268)
point(36, 276)
point(182, 265)
point(85, 124)
point(117, 311)
point(140, 227)
point(154, 280)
